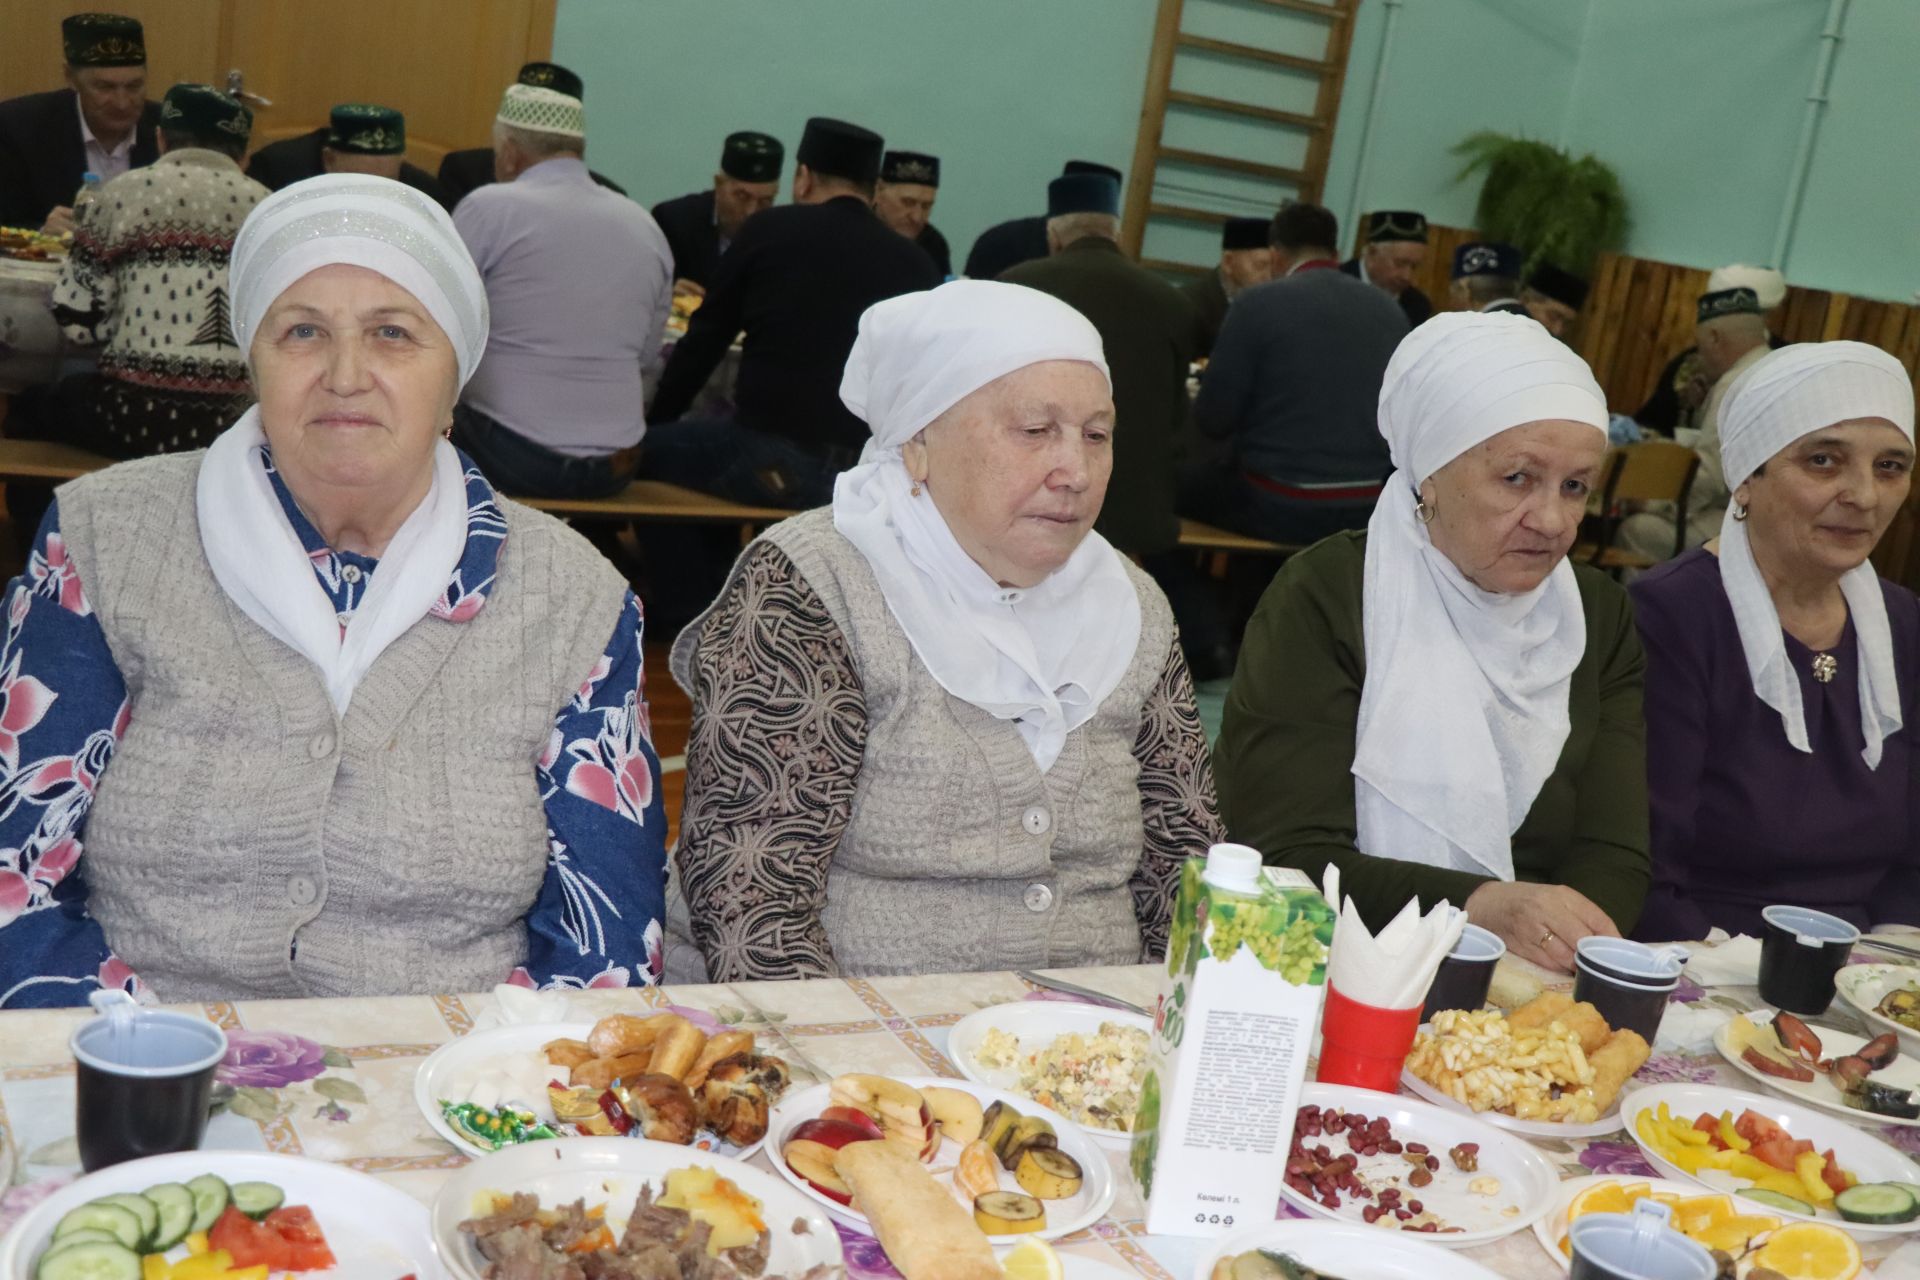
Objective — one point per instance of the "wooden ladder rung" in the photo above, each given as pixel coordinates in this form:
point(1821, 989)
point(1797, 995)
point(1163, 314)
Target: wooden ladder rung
point(1187, 213)
point(1270, 114)
point(1205, 44)
point(1331, 12)
point(1253, 168)
point(1177, 268)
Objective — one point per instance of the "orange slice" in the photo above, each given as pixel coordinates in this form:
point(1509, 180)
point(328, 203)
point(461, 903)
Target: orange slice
point(1810, 1251)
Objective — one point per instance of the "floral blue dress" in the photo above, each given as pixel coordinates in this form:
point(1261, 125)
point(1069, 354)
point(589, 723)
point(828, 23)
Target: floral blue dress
point(64, 708)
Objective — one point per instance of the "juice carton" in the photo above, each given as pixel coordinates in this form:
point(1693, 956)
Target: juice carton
point(1246, 970)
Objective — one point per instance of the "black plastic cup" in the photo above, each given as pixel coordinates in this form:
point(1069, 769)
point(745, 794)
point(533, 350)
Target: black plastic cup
point(1631, 961)
point(1629, 1006)
point(1641, 1245)
point(1466, 973)
point(1801, 950)
point(144, 1093)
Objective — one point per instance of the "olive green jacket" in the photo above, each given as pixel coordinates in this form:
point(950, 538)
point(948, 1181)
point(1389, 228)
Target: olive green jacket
point(1285, 756)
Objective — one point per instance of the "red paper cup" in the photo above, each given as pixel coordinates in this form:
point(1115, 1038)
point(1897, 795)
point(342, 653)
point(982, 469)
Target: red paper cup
point(1363, 1045)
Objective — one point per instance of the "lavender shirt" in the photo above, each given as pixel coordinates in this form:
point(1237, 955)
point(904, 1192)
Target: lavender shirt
point(579, 281)
point(1741, 819)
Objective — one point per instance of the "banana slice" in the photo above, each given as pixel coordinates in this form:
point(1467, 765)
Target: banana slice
point(1048, 1174)
point(1008, 1213)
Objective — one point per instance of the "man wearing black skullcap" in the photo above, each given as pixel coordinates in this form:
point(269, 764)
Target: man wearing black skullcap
point(1023, 239)
point(146, 285)
point(1486, 278)
point(1554, 296)
point(101, 123)
point(795, 280)
point(1246, 259)
point(1150, 334)
point(1396, 250)
point(467, 170)
point(909, 184)
point(359, 137)
point(701, 224)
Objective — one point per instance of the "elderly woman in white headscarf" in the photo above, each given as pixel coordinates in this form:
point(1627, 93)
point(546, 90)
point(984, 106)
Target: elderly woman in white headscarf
point(942, 725)
point(1781, 670)
point(1442, 705)
point(328, 717)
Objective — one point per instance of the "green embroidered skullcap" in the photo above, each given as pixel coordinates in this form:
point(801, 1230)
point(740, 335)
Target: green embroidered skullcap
point(103, 40)
point(551, 75)
point(542, 111)
point(204, 111)
point(367, 129)
point(752, 157)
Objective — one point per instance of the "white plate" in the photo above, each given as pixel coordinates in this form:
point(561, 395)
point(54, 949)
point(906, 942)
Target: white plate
point(611, 1171)
point(374, 1231)
point(1861, 1154)
point(1903, 1073)
point(450, 1060)
point(1064, 1217)
point(1349, 1249)
point(1607, 1123)
point(1864, 985)
point(1527, 1180)
point(1035, 1024)
point(1550, 1230)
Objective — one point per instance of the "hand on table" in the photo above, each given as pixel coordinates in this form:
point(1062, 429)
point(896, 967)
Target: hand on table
point(1539, 922)
point(59, 222)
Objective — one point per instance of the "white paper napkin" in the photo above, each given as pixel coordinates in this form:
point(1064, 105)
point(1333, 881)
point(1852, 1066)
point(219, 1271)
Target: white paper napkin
point(1727, 962)
point(513, 1006)
point(1391, 970)
point(1690, 1028)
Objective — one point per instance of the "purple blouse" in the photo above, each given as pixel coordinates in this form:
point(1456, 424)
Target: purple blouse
point(1742, 820)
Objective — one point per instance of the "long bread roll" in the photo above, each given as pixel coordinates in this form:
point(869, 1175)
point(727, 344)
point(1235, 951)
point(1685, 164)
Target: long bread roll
point(926, 1234)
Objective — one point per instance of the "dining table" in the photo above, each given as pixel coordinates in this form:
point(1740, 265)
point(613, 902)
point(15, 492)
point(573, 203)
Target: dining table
point(333, 1080)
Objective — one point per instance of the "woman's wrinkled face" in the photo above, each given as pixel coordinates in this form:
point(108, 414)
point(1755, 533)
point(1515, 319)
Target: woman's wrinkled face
point(1018, 468)
point(1818, 507)
point(1507, 510)
point(356, 381)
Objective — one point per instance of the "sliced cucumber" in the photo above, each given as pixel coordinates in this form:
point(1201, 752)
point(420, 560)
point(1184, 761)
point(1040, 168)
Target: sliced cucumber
point(94, 1260)
point(140, 1207)
point(117, 1221)
point(1877, 1202)
point(257, 1199)
point(210, 1200)
point(1775, 1200)
point(83, 1235)
point(175, 1204)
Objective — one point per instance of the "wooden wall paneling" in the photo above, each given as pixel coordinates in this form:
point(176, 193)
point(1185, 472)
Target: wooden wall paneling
point(183, 42)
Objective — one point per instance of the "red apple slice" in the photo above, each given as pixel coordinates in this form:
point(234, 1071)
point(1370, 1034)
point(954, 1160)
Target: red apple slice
point(813, 1161)
point(899, 1108)
point(857, 1118)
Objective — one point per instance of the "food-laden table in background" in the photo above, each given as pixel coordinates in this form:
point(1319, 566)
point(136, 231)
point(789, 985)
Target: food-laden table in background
point(30, 342)
point(333, 1080)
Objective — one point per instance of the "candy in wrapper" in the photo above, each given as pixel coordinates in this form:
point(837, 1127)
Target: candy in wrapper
point(504, 1127)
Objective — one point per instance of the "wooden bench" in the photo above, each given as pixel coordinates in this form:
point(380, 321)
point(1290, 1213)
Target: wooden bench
point(643, 500)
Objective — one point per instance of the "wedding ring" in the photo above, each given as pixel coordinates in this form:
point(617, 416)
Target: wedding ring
point(1545, 938)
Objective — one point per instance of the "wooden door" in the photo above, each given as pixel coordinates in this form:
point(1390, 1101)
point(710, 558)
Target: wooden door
point(443, 63)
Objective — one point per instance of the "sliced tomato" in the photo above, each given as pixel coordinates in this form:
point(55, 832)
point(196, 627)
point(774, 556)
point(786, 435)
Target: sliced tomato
point(1834, 1176)
point(305, 1244)
point(251, 1244)
point(1781, 1152)
point(1756, 1128)
point(1707, 1123)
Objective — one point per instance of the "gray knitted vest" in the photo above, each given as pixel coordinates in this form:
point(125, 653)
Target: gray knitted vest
point(246, 842)
point(961, 855)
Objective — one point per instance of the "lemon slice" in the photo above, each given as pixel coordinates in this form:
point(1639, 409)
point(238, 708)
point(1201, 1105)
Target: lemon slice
point(1032, 1260)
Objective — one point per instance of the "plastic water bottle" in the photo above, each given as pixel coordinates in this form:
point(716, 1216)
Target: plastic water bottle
point(88, 196)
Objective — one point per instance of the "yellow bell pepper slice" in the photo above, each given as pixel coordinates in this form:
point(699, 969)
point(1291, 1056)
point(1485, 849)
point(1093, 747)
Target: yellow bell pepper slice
point(1810, 1166)
point(153, 1266)
point(215, 1264)
point(1691, 1136)
point(1728, 1136)
point(196, 1243)
point(247, 1273)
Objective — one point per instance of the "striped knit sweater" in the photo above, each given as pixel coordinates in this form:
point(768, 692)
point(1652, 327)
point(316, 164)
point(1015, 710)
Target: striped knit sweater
point(148, 274)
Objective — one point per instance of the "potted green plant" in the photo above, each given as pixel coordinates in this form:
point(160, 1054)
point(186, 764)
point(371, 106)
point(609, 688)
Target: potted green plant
point(1555, 208)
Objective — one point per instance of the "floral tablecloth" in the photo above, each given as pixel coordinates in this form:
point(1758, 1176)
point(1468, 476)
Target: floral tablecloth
point(333, 1080)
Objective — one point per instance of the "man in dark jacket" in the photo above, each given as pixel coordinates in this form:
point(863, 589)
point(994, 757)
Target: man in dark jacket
point(101, 123)
point(1246, 259)
point(467, 170)
point(701, 224)
point(909, 184)
point(359, 137)
point(1150, 333)
point(1396, 250)
point(1022, 240)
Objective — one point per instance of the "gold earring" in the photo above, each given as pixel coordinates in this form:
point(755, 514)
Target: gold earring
point(1740, 513)
point(915, 491)
point(1423, 511)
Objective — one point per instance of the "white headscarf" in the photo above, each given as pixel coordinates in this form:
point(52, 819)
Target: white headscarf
point(1783, 396)
point(1047, 656)
point(1464, 710)
point(251, 546)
